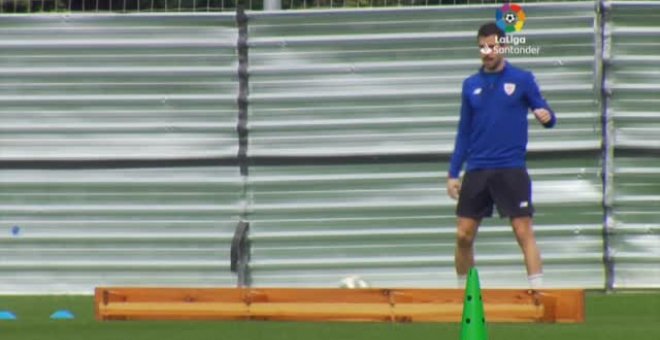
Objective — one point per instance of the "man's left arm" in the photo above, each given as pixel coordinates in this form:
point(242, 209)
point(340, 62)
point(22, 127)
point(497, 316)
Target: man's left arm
point(537, 103)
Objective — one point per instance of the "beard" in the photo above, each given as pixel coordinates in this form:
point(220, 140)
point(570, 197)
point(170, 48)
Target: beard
point(492, 64)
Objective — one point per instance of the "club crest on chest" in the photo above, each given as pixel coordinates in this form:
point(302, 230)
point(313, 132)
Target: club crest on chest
point(509, 88)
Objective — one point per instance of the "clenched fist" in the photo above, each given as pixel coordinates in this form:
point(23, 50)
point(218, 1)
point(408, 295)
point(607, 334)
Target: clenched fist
point(453, 187)
point(542, 115)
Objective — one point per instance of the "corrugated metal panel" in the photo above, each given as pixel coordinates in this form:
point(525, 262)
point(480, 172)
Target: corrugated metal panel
point(117, 86)
point(347, 88)
point(352, 118)
point(633, 80)
point(116, 91)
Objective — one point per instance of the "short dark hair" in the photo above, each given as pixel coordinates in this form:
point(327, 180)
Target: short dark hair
point(489, 29)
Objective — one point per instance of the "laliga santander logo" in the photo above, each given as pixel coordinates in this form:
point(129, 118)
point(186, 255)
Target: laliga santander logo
point(510, 18)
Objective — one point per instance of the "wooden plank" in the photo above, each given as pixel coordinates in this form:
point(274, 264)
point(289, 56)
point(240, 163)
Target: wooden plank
point(173, 311)
point(313, 311)
point(393, 305)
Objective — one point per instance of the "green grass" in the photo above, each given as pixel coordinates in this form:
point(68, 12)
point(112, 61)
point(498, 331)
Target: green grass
point(627, 316)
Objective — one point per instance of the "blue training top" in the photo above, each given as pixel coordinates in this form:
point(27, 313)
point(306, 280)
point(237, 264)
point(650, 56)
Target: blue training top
point(492, 131)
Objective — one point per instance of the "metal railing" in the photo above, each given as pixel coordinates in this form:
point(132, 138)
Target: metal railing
point(40, 6)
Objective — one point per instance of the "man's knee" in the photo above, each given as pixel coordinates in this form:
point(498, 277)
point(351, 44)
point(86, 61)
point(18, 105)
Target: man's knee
point(521, 225)
point(466, 233)
point(464, 239)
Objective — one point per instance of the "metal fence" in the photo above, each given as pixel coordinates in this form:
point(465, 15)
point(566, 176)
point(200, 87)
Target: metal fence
point(632, 116)
point(129, 156)
point(36, 6)
point(112, 138)
point(332, 92)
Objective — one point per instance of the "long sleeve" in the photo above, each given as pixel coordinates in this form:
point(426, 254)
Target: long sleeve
point(536, 100)
point(462, 137)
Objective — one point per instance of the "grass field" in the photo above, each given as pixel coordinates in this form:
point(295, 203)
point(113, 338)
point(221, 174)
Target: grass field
point(620, 316)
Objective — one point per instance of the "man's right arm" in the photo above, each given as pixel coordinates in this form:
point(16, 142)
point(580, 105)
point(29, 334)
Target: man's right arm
point(460, 146)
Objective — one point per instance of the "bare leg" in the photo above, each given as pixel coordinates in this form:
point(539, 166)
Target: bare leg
point(522, 227)
point(466, 232)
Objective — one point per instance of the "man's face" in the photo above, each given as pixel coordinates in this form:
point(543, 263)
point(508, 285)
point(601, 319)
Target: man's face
point(491, 52)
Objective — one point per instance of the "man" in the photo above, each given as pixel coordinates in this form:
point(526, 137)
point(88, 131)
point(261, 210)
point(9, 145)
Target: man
point(492, 140)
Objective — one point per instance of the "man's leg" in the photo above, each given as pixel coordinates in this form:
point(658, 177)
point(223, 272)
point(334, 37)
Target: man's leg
point(474, 203)
point(466, 232)
point(522, 227)
point(512, 193)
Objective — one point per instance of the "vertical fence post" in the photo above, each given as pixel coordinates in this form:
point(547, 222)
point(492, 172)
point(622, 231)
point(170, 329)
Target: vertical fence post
point(272, 5)
point(603, 58)
point(240, 250)
point(240, 254)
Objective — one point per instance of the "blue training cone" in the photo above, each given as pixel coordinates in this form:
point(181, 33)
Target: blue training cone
point(7, 315)
point(62, 314)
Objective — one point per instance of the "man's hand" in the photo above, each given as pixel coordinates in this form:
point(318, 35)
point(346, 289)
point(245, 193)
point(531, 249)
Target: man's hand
point(542, 115)
point(453, 187)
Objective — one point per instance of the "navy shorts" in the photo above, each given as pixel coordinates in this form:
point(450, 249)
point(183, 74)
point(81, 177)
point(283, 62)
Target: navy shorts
point(510, 190)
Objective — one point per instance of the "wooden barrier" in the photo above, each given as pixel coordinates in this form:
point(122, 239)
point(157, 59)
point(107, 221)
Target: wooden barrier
point(370, 304)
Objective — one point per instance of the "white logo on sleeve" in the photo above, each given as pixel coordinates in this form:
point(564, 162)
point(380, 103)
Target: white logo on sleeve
point(524, 204)
point(477, 91)
point(509, 88)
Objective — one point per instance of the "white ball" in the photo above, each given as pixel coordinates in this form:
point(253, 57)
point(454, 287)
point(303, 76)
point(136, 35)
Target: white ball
point(510, 18)
point(352, 282)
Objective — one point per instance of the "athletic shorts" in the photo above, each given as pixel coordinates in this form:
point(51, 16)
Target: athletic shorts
point(509, 189)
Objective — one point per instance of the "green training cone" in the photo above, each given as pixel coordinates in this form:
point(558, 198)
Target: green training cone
point(473, 323)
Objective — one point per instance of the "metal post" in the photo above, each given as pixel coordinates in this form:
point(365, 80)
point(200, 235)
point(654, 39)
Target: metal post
point(272, 5)
point(240, 254)
point(603, 58)
point(240, 248)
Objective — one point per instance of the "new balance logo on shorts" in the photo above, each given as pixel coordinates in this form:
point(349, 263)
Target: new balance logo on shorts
point(524, 204)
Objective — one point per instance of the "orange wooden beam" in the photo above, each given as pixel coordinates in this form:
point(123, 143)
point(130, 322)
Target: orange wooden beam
point(372, 304)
